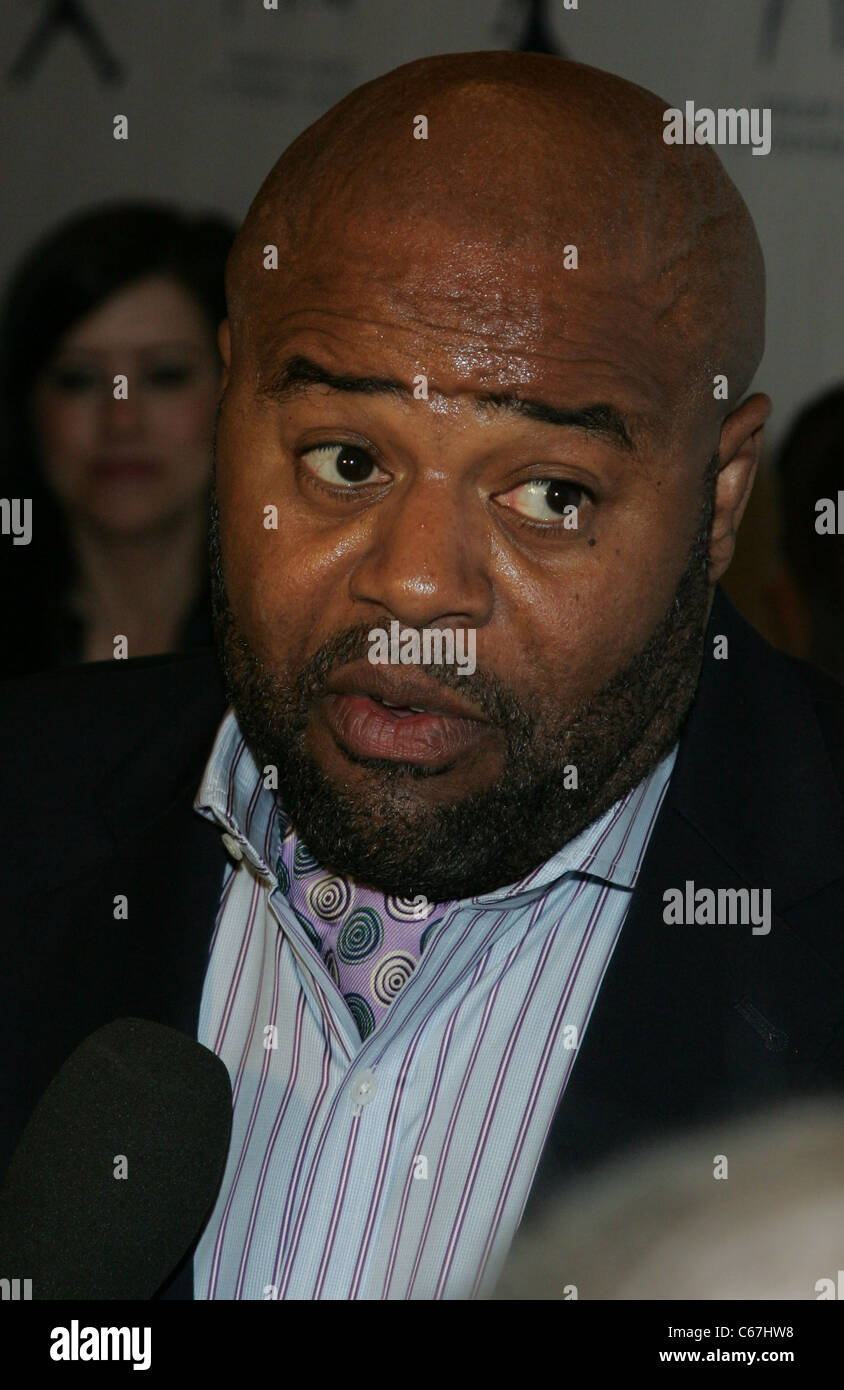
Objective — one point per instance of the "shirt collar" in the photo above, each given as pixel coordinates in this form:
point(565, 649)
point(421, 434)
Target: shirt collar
point(612, 848)
point(233, 793)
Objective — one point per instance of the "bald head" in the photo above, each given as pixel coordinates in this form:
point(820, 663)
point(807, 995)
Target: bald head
point(476, 392)
point(524, 155)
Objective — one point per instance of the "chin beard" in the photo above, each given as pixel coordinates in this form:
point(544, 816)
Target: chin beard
point(387, 838)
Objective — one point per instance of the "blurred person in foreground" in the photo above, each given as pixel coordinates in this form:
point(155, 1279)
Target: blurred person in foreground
point(747, 1210)
point(455, 934)
point(118, 474)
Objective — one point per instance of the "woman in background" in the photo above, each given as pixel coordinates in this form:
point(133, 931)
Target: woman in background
point(118, 474)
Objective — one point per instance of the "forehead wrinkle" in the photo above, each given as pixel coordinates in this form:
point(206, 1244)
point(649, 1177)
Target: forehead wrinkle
point(640, 424)
point(670, 218)
point(483, 313)
point(298, 375)
point(270, 346)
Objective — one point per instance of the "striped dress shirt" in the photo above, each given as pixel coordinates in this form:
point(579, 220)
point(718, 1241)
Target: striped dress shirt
point(399, 1166)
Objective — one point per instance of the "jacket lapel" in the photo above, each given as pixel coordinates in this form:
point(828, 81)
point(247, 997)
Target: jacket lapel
point(697, 1020)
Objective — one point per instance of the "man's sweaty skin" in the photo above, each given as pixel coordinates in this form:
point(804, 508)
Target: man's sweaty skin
point(444, 257)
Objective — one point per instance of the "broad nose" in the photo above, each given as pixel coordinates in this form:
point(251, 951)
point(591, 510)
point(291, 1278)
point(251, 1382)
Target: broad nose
point(427, 559)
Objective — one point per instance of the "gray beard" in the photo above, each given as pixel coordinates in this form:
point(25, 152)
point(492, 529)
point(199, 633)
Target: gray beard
point(388, 840)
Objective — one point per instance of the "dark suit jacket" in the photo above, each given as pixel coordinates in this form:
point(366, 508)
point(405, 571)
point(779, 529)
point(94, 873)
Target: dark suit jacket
point(100, 766)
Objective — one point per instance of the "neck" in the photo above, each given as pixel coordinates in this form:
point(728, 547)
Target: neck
point(142, 586)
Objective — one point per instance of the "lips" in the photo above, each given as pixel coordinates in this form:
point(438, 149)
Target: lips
point(403, 689)
point(402, 716)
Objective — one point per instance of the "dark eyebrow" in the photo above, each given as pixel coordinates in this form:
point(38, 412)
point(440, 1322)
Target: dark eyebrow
point(297, 373)
point(597, 419)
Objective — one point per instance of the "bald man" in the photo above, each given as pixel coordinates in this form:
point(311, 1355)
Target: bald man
point(458, 929)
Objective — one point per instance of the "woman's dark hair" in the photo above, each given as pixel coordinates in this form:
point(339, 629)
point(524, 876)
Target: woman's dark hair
point(75, 269)
point(68, 274)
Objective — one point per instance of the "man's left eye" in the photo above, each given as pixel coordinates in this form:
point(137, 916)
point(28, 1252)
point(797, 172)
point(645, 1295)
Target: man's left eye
point(545, 499)
point(340, 465)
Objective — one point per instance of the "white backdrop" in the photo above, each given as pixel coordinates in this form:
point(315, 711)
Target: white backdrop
point(214, 90)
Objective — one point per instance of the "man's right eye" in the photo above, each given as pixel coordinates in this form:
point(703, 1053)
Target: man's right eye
point(340, 465)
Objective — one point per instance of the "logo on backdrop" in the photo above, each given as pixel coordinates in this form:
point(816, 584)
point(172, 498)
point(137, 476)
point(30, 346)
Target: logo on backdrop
point(807, 114)
point(58, 16)
point(774, 16)
point(525, 24)
point(300, 53)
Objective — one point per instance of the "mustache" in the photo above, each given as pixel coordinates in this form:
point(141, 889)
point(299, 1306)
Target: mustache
point(486, 690)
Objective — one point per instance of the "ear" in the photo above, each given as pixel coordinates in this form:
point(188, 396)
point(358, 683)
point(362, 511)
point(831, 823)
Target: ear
point(224, 344)
point(739, 450)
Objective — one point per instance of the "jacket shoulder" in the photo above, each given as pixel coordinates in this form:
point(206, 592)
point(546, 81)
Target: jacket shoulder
point(825, 694)
point(66, 734)
point(101, 704)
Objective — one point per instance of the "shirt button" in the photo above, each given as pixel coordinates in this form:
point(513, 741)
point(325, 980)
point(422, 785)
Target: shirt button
point(363, 1087)
point(233, 847)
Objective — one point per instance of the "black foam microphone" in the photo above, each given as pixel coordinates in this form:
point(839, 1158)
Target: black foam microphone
point(119, 1165)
